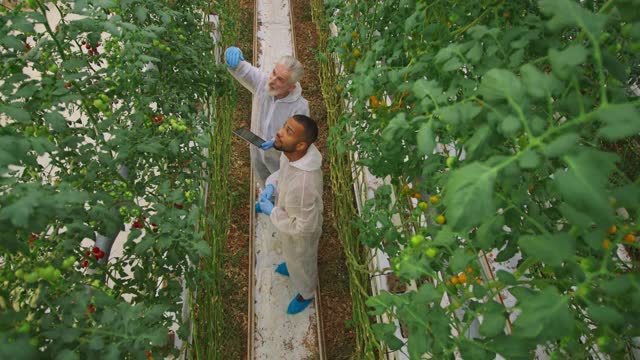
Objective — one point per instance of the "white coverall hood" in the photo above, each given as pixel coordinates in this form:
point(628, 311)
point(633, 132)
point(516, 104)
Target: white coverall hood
point(297, 216)
point(311, 161)
point(269, 113)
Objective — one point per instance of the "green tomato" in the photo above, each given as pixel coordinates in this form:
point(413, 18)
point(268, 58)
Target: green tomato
point(156, 42)
point(586, 264)
point(416, 240)
point(135, 212)
point(182, 37)
point(583, 291)
point(99, 104)
point(104, 98)
point(603, 342)
point(423, 205)
point(53, 68)
point(431, 252)
point(124, 211)
point(31, 277)
point(68, 262)
point(49, 273)
point(19, 273)
point(451, 161)
point(25, 327)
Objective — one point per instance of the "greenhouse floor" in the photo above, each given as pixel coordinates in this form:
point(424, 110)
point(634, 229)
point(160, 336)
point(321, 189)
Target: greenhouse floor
point(275, 334)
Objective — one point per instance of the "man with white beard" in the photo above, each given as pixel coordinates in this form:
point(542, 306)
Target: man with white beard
point(278, 96)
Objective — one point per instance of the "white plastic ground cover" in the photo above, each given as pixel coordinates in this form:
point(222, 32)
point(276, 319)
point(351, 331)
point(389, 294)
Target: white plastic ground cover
point(277, 335)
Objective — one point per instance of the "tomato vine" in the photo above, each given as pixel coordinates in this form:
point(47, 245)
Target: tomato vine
point(103, 130)
point(505, 111)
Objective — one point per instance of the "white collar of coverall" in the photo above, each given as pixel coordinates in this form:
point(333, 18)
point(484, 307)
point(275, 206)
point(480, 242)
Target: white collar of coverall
point(311, 161)
point(293, 95)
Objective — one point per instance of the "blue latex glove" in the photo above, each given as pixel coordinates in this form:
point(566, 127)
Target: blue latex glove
point(258, 211)
point(266, 206)
point(267, 193)
point(267, 144)
point(233, 56)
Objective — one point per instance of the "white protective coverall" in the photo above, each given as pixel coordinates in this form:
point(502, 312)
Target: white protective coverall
point(297, 217)
point(271, 113)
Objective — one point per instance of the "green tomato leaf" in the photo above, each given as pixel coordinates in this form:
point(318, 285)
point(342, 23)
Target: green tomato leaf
point(529, 160)
point(565, 62)
point(550, 249)
point(499, 84)
point(620, 121)
point(566, 13)
point(545, 316)
point(510, 125)
point(396, 129)
point(506, 277)
point(561, 145)
point(470, 349)
point(583, 185)
point(459, 260)
point(16, 113)
point(428, 88)
point(386, 334)
point(427, 294)
point(489, 232)
point(426, 141)
point(469, 196)
point(606, 315)
point(141, 13)
point(202, 248)
point(618, 285)
point(574, 216)
point(458, 114)
point(475, 54)
point(537, 83)
point(478, 141)
point(384, 302)
point(493, 323)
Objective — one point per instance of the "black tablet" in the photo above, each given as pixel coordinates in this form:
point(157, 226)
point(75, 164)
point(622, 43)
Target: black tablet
point(248, 136)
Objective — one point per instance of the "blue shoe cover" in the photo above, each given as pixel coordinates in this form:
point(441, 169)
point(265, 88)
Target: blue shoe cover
point(282, 269)
point(296, 306)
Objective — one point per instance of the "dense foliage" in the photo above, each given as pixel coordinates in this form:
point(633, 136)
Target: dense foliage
point(492, 120)
point(114, 86)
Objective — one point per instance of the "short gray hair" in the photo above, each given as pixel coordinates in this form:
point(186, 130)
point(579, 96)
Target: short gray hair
point(292, 64)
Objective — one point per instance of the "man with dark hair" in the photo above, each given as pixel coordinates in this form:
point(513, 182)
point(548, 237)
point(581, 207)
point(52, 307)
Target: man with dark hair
point(297, 213)
point(278, 96)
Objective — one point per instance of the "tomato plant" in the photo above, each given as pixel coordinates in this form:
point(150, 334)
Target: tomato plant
point(82, 98)
point(503, 114)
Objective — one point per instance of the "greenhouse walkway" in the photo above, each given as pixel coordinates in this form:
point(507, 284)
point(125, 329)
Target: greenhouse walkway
point(272, 333)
